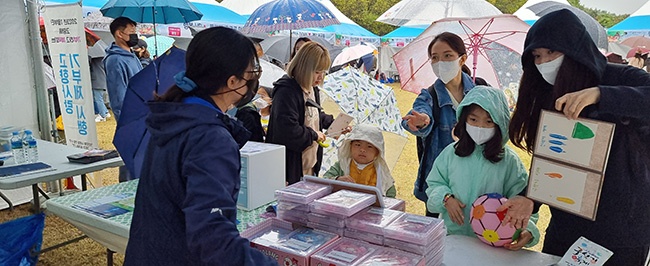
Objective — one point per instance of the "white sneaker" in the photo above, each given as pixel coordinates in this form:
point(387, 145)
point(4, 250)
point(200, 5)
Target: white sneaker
point(99, 118)
point(107, 115)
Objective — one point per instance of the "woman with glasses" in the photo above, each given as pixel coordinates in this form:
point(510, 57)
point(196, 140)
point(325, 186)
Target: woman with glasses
point(434, 111)
point(185, 208)
point(295, 120)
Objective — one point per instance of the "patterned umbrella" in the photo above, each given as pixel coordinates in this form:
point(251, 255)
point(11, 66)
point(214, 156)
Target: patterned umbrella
point(365, 99)
point(289, 15)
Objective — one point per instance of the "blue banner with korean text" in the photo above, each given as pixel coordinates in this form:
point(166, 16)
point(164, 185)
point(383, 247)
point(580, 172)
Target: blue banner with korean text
point(67, 43)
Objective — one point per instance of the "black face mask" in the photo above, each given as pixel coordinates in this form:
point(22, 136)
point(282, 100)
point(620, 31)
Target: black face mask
point(133, 40)
point(252, 85)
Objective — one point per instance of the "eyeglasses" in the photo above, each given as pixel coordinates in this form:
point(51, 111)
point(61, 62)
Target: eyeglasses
point(257, 70)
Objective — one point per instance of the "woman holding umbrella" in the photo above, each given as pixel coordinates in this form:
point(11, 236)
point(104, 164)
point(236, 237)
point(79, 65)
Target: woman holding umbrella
point(433, 115)
point(564, 71)
point(185, 208)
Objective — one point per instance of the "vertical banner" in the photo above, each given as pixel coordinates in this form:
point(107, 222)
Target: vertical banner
point(67, 42)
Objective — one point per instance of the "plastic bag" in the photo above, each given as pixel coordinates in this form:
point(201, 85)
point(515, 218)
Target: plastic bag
point(21, 240)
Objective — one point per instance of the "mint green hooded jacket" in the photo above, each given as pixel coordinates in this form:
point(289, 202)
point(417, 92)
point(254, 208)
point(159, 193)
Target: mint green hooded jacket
point(469, 177)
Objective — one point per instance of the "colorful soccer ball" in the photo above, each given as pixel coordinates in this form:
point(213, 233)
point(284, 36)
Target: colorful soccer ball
point(486, 221)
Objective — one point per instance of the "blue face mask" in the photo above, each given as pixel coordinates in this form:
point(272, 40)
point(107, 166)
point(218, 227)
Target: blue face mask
point(232, 112)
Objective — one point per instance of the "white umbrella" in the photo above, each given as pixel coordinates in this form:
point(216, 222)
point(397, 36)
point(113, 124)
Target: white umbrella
point(424, 12)
point(270, 73)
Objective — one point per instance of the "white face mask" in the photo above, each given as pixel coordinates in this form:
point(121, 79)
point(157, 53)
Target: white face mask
point(480, 135)
point(446, 70)
point(549, 69)
point(260, 103)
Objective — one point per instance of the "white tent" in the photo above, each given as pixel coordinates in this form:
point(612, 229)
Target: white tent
point(242, 7)
point(528, 16)
point(637, 24)
point(24, 98)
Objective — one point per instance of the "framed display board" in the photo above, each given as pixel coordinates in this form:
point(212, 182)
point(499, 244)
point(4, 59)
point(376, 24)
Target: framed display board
point(569, 161)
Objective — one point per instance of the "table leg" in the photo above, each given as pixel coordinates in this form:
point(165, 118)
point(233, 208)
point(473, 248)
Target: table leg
point(84, 182)
point(109, 257)
point(36, 204)
point(11, 205)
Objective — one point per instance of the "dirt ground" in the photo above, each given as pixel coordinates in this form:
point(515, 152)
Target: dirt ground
point(89, 252)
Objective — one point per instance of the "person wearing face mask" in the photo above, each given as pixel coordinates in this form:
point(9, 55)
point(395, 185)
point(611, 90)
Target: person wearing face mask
point(294, 123)
point(121, 64)
point(564, 71)
point(447, 53)
point(479, 162)
point(249, 116)
point(186, 204)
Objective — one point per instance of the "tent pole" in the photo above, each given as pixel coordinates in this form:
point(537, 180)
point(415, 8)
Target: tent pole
point(42, 110)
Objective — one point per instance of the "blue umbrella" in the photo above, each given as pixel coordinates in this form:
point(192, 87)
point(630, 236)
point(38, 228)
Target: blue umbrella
point(152, 11)
point(289, 15)
point(131, 135)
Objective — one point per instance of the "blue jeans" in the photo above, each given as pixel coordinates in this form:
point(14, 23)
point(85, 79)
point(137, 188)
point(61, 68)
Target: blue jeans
point(98, 99)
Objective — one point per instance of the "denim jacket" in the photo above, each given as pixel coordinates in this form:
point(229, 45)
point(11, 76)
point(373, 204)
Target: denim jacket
point(441, 135)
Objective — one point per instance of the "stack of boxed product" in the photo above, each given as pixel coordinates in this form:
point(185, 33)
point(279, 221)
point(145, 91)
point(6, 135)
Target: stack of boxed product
point(368, 224)
point(293, 200)
point(346, 251)
point(277, 239)
point(394, 204)
point(330, 212)
point(418, 234)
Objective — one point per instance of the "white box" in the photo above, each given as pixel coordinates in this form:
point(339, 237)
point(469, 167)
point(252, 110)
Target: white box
point(262, 172)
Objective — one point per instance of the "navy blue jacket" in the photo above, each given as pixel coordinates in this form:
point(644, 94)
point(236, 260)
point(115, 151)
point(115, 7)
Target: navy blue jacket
point(185, 206)
point(623, 216)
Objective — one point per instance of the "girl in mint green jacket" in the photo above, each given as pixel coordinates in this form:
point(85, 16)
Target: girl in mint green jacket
point(478, 163)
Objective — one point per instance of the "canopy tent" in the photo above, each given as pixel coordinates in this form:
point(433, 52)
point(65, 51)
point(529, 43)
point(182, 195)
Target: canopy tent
point(243, 7)
point(527, 15)
point(637, 24)
point(402, 36)
point(24, 103)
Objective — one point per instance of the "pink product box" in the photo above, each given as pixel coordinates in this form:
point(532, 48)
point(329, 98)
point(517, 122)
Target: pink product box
point(343, 252)
point(291, 206)
point(394, 204)
point(302, 192)
point(305, 241)
point(326, 228)
point(326, 219)
point(268, 229)
point(291, 217)
point(411, 247)
point(365, 236)
point(392, 257)
point(416, 229)
point(344, 202)
point(372, 220)
point(313, 209)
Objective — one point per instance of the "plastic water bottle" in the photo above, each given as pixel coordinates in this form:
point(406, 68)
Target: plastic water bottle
point(30, 146)
point(17, 148)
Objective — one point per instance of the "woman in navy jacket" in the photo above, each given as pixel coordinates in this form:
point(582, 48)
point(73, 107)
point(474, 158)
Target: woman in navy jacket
point(185, 206)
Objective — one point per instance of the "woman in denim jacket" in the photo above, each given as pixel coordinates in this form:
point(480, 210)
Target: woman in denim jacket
point(448, 55)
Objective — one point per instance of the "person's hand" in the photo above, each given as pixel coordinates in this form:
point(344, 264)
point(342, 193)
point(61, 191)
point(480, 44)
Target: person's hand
point(519, 210)
point(571, 104)
point(321, 136)
point(455, 210)
point(416, 121)
point(524, 238)
point(345, 178)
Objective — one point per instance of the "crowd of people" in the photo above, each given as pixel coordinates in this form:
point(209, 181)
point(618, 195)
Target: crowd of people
point(191, 168)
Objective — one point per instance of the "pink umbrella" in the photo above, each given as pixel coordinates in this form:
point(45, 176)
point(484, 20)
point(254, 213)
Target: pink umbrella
point(494, 46)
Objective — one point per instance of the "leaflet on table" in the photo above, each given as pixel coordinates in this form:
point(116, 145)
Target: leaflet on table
point(110, 206)
point(585, 253)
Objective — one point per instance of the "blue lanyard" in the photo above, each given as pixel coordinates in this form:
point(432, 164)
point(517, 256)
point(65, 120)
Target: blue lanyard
point(197, 100)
